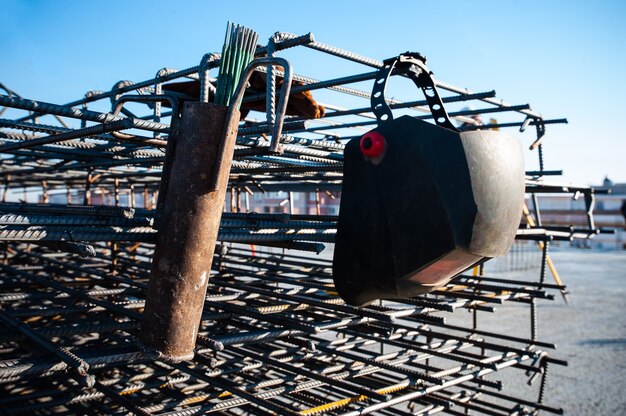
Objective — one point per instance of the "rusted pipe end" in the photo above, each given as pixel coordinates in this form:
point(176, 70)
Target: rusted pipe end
point(190, 221)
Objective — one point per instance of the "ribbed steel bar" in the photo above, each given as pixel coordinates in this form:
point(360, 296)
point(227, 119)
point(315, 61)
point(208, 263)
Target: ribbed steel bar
point(409, 104)
point(96, 211)
point(138, 162)
point(284, 41)
point(79, 133)
point(106, 138)
point(274, 337)
point(332, 50)
point(88, 115)
point(58, 220)
point(119, 90)
point(80, 366)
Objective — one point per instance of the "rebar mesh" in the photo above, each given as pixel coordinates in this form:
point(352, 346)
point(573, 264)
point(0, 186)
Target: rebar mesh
point(274, 338)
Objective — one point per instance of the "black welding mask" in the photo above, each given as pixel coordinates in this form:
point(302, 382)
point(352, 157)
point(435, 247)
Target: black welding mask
point(422, 202)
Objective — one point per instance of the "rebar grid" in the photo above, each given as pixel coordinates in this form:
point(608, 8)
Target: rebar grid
point(270, 320)
point(274, 338)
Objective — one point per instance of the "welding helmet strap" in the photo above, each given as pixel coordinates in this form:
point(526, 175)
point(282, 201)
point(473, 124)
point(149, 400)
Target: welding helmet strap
point(413, 66)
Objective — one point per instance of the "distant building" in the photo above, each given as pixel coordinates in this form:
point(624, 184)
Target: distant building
point(556, 209)
point(564, 210)
point(310, 203)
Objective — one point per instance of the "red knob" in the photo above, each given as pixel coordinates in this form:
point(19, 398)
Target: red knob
point(372, 144)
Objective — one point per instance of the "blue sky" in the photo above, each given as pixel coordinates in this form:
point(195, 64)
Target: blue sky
point(565, 58)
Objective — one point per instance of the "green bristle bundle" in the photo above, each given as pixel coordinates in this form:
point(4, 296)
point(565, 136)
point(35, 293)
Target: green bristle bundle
point(238, 51)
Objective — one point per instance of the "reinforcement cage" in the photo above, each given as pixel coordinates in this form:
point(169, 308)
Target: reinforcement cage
point(274, 338)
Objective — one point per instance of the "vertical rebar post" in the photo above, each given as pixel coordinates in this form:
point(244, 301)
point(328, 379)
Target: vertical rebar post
point(44, 191)
point(544, 262)
point(317, 202)
point(158, 90)
point(87, 197)
point(7, 181)
point(270, 101)
point(209, 60)
point(189, 226)
point(533, 320)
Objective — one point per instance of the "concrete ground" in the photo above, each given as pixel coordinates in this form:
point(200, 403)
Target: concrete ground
point(590, 333)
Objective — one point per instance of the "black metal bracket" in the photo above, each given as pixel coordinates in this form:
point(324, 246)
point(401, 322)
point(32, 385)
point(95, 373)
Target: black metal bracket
point(412, 65)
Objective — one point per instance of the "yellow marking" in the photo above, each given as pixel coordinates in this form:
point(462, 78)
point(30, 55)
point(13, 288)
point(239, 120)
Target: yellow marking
point(131, 391)
point(194, 400)
point(455, 288)
point(349, 400)
point(530, 220)
point(133, 247)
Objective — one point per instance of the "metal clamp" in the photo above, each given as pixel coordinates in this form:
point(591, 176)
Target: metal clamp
point(208, 61)
point(238, 98)
point(412, 65)
point(285, 90)
point(118, 103)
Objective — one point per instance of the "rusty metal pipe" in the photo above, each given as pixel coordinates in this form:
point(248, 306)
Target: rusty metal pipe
point(189, 226)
